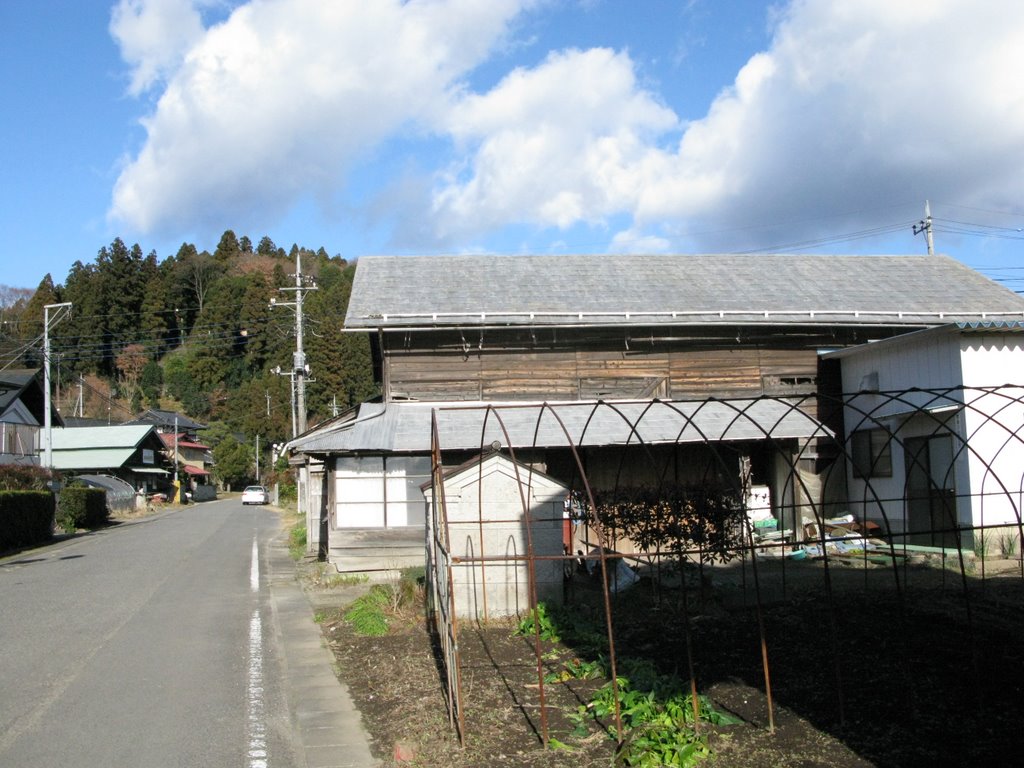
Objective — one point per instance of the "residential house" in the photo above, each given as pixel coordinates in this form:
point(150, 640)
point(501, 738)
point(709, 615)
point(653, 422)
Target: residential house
point(192, 457)
point(132, 452)
point(179, 434)
point(22, 415)
point(168, 422)
point(642, 369)
point(934, 423)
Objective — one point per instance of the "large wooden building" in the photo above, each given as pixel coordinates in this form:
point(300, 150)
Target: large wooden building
point(468, 341)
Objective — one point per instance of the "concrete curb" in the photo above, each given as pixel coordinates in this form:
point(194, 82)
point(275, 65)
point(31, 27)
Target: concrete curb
point(328, 727)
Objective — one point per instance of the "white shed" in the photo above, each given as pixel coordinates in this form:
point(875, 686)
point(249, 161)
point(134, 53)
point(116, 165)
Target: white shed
point(935, 429)
point(494, 511)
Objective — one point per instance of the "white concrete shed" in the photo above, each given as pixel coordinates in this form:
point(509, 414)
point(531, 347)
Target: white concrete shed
point(491, 505)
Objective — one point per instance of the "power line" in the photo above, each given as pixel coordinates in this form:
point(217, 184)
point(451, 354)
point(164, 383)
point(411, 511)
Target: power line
point(814, 243)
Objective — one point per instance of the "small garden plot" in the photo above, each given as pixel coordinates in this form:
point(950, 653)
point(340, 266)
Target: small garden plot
point(920, 683)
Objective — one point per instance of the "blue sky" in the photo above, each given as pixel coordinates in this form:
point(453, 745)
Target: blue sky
point(508, 126)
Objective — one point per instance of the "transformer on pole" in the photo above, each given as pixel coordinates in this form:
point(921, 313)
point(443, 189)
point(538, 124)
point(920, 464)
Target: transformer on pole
point(300, 368)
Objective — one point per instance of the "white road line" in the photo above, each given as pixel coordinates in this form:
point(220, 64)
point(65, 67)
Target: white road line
point(255, 707)
point(254, 567)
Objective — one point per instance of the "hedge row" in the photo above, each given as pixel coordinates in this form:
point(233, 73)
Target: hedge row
point(26, 518)
point(24, 477)
point(81, 507)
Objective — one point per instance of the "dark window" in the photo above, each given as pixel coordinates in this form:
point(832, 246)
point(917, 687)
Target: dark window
point(872, 453)
point(789, 384)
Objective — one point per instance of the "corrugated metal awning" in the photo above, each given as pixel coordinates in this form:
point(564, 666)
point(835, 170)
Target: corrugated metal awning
point(991, 326)
point(405, 427)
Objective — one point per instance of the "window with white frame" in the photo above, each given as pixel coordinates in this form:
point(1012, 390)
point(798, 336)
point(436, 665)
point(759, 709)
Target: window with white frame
point(379, 492)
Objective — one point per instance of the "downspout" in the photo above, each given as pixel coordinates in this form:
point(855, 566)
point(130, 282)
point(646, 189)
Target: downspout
point(385, 374)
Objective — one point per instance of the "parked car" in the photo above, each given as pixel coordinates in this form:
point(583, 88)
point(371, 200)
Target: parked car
point(255, 494)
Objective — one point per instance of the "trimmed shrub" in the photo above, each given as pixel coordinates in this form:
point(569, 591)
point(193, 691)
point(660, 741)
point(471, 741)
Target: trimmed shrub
point(24, 477)
point(26, 518)
point(81, 507)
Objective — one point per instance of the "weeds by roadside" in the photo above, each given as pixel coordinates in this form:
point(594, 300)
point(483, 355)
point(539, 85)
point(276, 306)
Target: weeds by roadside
point(371, 614)
point(297, 540)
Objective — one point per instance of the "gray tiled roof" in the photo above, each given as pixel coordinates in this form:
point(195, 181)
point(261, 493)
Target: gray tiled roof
point(405, 427)
point(167, 419)
point(417, 291)
point(12, 383)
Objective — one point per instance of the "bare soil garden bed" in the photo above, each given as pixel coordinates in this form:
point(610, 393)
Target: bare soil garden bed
point(862, 675)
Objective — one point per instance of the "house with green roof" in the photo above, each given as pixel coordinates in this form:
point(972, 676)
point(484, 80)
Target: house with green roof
point(131, 452)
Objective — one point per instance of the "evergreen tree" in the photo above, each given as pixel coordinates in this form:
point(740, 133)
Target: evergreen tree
point(341, 362)
point(228, 249)
point(32, 323)
point(201, 330)
point(255, 321)
point(83, 336)
point(121, 279)
point(156, 320)
point(34, 314)
point(266, 247)
point(152, 383)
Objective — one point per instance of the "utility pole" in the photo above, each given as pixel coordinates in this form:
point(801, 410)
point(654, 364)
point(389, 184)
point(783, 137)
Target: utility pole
point(58, 315)
point(175, 453)
point(925, 225)
point(300, 369)
point(257, 458)
point(58, 381)
point(290, 375)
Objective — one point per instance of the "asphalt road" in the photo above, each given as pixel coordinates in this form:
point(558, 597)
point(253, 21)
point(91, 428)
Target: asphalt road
point(145, 644)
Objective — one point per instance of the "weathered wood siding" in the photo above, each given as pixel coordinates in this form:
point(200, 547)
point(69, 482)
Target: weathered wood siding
point(587, 374)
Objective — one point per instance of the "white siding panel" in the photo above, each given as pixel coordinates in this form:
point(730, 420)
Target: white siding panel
point(994, 427)
point(990, 470)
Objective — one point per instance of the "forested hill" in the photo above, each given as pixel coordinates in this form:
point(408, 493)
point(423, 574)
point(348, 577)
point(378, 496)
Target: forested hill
point(193, 332)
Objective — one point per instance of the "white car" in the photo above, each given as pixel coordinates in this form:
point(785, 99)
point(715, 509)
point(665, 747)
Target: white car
point(255, 494)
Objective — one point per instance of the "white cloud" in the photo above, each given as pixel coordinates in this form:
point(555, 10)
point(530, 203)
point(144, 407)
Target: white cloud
point(285, 95)
point(631, 241)
point(558, 144)
point(855, 103)
point(153, 36)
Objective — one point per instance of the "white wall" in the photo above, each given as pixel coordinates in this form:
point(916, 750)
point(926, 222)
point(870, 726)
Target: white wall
point(988, 430)
point(492, 524)
point(994, 425)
